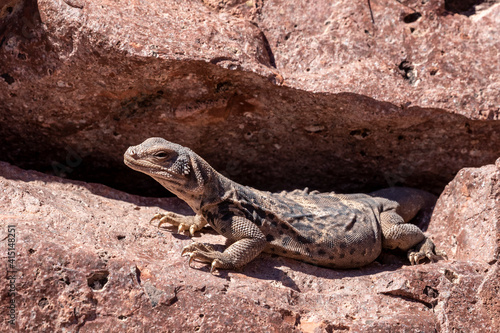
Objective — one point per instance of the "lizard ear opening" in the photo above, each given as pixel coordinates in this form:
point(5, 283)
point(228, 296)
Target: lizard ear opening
point(186, 169)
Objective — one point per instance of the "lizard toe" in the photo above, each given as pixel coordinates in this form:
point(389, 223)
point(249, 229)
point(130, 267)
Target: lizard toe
point(441, 254)
point(188, 249)
point(182, 227)
point(431, 256)
point(415, 257)
point(192, 230)
point(162, 219)
point(215, 264)
point(200, 252)
point(198, 256)
point(425, 249)
point(183, 223)
point(205, 253)
point(157, 216)
point(191, 258)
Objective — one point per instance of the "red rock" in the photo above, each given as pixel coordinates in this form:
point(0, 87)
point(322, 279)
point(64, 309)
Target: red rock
point(89, 260)
point(415, 53)
point(466, 218)
point(276, 94)
point(253, 87)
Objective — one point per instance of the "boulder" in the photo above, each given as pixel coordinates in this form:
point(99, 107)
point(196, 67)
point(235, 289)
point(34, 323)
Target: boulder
point(346, 95)
point(87, 259)
point(466, 217)
point(277, 94)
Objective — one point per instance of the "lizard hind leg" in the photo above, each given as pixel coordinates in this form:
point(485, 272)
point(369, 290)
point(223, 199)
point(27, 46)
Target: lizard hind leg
point(183, 222)
point(408, 237)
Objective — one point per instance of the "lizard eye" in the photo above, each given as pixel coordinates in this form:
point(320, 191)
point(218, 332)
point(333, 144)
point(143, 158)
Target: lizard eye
point(161, 154)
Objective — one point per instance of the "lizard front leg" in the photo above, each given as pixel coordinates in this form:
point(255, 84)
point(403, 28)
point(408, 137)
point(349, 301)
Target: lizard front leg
point(249, 242)
point(191, 223)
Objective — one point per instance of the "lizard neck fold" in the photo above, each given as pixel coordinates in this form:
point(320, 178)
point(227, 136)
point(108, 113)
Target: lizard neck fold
point(205, 186)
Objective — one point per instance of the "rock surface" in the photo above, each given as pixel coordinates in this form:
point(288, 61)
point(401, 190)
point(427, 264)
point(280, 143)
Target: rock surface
point(275, 94)
point(467, 217)
point(89, 261)
point(412, 53)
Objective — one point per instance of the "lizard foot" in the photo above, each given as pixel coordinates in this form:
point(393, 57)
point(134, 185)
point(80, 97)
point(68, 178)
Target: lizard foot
point(191, 223)
point(204, 253)
point(424, 249)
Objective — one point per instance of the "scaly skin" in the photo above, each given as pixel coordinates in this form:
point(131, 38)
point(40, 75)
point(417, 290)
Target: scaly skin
point(325, 229)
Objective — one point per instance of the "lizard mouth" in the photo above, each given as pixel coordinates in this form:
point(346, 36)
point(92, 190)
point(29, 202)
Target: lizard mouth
point(142, 165)
point(149, 168)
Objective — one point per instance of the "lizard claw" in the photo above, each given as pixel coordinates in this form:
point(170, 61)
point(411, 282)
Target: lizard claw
point(203, 253)
point(436, 255)
point(187, 249)
point(182, 227)
point(216, 263)
point(162, 219)
point(415, 258)
point(158, 216)
point(425, 249)
point(185, 227)
point(191, 258)
point(191, 255)
point(199, 250)
point(192, 230)
point(183, 223)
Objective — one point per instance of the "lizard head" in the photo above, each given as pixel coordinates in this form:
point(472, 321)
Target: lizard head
point(176, 167)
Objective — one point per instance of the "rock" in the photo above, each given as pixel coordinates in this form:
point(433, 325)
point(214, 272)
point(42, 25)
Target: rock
point(412, 53)
point(467, 215)
point(88, 260)
point(274, 94)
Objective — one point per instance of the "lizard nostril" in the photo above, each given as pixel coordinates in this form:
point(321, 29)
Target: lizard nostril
point(131, 152)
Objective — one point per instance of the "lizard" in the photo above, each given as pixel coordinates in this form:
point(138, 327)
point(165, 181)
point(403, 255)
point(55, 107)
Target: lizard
point(339, 231)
